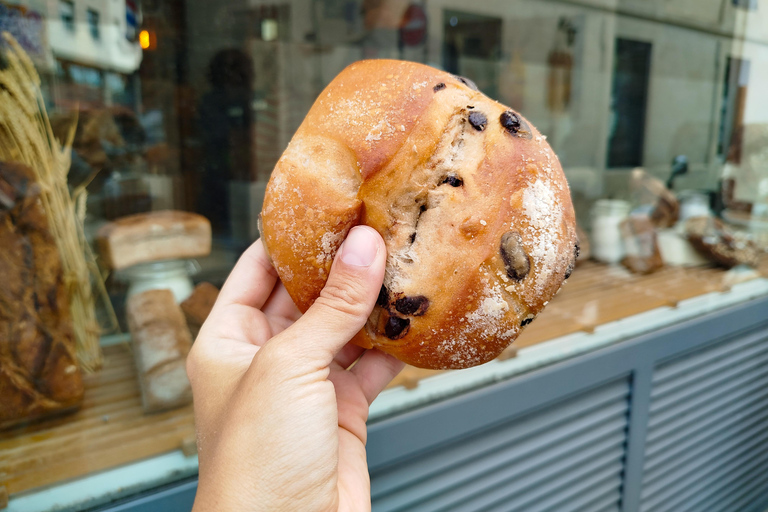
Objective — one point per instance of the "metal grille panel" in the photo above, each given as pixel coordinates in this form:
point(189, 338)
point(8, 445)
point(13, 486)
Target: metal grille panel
point(707, 438)
point(565, 457)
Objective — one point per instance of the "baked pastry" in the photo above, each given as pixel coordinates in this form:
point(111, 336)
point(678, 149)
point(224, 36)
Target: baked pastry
point(154, 236)
point(39, 374)
point(641, 245)
point(652, 191)
point(161, 342)
point(469, 197)
point(716, 242)
point(198, 306)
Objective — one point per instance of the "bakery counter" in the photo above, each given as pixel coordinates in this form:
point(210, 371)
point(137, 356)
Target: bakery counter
point(110, 449)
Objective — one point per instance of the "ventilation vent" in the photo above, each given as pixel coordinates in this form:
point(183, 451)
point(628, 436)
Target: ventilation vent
point(707, 440)
point(566, 457)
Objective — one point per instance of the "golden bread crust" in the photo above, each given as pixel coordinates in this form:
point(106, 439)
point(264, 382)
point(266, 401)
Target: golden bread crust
point(469, 197)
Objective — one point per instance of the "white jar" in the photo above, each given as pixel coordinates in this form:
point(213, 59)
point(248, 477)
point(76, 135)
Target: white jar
point(606, 242)
point(174, 275)
point(693, 204)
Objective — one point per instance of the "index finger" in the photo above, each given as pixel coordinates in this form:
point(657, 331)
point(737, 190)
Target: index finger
point(251, 281)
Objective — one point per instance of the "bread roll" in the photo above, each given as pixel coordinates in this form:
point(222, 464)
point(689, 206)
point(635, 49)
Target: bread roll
point(198, 306)
point(469, 197)
point(161, 342)
point(154, 236)
point(714, 240)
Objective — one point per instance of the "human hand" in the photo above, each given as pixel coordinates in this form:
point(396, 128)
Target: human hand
point(280, 418)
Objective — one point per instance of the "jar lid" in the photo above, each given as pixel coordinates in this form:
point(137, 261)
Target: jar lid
point(160, 269)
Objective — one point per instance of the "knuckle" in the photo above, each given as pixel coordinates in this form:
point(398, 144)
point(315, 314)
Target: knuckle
point(274, 361)
point(346, 297)
point(271, 354)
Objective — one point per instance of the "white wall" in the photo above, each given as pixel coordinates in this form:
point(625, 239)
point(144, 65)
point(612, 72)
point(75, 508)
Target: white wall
point(112, 51)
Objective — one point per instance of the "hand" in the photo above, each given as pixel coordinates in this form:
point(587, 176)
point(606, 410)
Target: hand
point(280, 415)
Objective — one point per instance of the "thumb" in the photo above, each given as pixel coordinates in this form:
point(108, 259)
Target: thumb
point(346, 301)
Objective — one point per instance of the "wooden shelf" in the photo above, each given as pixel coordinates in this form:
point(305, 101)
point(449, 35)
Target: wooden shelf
point(111, 429)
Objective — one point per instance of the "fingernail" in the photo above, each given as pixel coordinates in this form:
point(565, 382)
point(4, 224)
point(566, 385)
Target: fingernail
point(360, 247)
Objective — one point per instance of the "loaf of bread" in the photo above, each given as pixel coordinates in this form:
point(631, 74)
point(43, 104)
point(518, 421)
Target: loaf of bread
point(719, 244)
point(469, 197)
point(154, 236)
point(161, 342)
point(198, 306)
point(39, 374)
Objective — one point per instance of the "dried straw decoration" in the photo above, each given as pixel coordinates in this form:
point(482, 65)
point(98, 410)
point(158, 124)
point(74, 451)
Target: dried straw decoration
point(26, 137)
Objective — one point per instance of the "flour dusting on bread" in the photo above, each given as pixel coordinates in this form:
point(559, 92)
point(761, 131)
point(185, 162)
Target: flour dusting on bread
point(544, 220)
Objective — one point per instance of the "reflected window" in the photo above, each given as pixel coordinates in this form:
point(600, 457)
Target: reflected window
point(67, 14)
point(629, 98)
point(93, 23)
point(750, 5)
point(472, 48)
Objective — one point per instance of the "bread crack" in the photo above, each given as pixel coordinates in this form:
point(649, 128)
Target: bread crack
point(445, 167)
point(417, 213)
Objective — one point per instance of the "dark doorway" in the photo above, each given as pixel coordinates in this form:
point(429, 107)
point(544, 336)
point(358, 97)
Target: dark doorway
point(629, 98)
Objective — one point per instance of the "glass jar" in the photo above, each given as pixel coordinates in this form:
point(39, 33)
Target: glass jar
point(693, 204)
point(174, 275)
point(607, 215)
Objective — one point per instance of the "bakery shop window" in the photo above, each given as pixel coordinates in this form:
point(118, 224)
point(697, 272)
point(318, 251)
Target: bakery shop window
point(147, 161)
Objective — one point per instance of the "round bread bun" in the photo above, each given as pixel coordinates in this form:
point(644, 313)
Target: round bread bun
point(469, 197)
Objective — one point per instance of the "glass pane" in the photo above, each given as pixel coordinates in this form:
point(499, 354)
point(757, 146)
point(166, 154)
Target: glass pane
point(656, 110)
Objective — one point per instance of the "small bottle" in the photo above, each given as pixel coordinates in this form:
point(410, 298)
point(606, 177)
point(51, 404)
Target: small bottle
point(607, 216)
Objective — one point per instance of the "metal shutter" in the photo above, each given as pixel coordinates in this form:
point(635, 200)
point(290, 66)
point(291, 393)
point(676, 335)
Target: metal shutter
point(707, 440)
point(565, 457)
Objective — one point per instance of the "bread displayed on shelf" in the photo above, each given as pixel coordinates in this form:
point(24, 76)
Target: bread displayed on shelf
point(39, 374)
point(154, 236)
point(469, 197)
point(642, 254)
point(198, 306)
point(161, 342)
point(649, 190)
point(714, 240)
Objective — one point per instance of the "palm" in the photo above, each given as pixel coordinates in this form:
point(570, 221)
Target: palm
point(253, 308)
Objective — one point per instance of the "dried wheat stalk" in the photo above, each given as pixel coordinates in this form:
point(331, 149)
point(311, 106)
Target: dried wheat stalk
point(26, 137)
